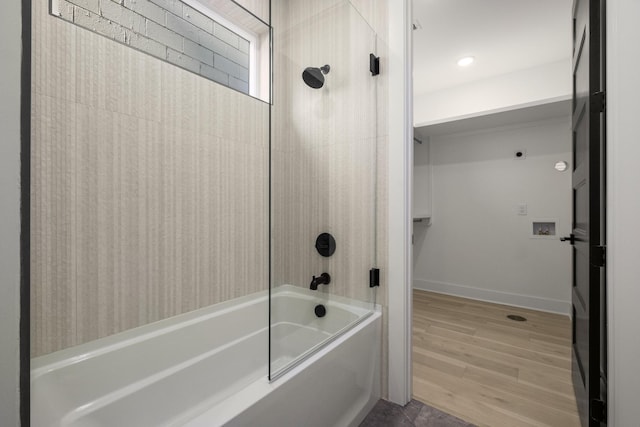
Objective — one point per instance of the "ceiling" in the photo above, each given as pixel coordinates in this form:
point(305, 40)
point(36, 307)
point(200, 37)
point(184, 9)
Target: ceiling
point(503, 36)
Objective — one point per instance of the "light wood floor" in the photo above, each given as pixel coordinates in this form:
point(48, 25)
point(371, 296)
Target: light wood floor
point(471, 361)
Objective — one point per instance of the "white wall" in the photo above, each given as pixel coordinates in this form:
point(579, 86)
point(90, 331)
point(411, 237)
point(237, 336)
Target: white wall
point(623, 180)
point(478, 246)
point(546, 82)
point(10, 52)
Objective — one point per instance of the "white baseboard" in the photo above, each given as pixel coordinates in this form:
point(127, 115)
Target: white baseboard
point(516, 300)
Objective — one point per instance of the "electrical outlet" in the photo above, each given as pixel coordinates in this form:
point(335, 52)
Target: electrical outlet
point(521, 209)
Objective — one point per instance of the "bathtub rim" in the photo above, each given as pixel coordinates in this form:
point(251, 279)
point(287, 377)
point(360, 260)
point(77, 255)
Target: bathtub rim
point(44, 364)
point(77, 354)
point(66, 357)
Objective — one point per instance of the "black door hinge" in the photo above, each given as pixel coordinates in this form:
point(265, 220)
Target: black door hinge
point(598, 256)
point(598, 410)
point(374, 277)
point(598, 102)
point(374, 64)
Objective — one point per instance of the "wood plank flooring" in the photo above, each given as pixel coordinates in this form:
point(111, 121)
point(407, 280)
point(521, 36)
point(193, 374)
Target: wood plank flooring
point(470, 361)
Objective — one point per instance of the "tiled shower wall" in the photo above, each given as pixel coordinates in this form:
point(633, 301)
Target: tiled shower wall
point(329, 146)
point(323, 146)
point(149, 190)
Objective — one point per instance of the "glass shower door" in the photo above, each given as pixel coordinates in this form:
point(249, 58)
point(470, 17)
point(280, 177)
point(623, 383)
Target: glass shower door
point(323, 177)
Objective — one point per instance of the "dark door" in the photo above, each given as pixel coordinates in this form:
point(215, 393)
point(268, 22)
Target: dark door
point(588, 239)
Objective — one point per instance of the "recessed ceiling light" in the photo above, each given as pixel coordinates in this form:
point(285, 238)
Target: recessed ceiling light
point(466, 61)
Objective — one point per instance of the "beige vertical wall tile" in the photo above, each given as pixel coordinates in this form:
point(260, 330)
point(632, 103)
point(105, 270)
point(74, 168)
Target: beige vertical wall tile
point(53, 44)
point(260, 8)
point(382, 82)
point(352, 214)
point(115, 77)
point(325, 146)
point(382, 231)
point(181, 223)
point(150, 189)
point(171, 204)
point(53, 220)
point(109, 243)
point(374, 12)
point(329, 159)
point(343, 108)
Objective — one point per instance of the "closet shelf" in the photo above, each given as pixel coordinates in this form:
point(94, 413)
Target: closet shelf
point(422, 218)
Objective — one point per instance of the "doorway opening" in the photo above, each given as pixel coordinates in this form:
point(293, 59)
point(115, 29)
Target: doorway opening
point(490, 208)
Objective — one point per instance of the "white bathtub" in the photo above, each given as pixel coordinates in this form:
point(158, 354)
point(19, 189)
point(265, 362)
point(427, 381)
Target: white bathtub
point(209, 368)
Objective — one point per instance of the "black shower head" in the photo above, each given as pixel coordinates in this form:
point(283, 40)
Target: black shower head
point(314, 77)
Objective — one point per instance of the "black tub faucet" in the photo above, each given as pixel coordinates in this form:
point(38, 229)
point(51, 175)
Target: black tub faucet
point(323, 279)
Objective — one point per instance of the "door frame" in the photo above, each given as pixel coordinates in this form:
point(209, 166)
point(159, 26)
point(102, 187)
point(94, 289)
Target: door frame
point(623, 210)
point(623, 91)
point(400, 178)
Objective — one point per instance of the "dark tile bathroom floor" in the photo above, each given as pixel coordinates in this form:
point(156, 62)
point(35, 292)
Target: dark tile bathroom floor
point(414, 414)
